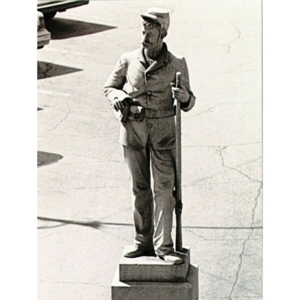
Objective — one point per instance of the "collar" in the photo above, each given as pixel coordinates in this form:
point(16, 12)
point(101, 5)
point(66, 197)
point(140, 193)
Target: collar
point(163, 57)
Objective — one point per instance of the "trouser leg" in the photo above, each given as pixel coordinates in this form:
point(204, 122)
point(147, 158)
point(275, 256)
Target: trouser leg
point(138, 162)
point(163, 170)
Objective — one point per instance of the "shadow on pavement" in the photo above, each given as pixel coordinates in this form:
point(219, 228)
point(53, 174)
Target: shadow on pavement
point(53, 226)
point(46, 70)
point(98, 224)
point(65, 28)
point(93, 224)
point(45, 158)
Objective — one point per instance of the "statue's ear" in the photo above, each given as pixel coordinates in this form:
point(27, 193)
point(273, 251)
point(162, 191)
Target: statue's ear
point(163, 33)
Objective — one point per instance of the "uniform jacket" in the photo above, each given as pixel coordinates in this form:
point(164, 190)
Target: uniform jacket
point(149, 87)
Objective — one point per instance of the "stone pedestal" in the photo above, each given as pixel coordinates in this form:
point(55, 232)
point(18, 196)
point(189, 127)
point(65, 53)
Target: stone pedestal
point(149, 277)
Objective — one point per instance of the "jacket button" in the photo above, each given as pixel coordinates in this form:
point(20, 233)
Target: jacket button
point(148, 75)
point(149, 125)
point(149, 93)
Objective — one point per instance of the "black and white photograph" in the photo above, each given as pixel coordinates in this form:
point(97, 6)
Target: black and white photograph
point(149, 150)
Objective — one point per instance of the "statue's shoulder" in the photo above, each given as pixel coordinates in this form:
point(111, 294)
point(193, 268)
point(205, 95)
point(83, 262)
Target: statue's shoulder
point(175, 57)
point(177, 60)
point(128, 56)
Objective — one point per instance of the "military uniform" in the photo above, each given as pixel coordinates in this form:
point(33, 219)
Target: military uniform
point(148, 139)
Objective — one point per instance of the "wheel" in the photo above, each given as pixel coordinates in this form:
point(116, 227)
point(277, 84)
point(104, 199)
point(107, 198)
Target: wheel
point(50, 15)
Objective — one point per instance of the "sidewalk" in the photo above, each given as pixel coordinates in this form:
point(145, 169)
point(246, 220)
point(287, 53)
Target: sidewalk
point(84, 206)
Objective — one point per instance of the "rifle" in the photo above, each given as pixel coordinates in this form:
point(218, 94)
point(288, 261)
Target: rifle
point(178, 195)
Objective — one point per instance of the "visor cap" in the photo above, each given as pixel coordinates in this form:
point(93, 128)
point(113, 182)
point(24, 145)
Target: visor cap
point(159, 15)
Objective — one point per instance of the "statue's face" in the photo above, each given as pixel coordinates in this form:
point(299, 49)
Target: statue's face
point(151, 36)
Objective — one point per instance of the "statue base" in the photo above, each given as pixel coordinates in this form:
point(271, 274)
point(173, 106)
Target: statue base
point(149, 277)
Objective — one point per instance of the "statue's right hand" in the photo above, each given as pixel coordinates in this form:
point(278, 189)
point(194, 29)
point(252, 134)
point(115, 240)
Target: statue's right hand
point(118, 104)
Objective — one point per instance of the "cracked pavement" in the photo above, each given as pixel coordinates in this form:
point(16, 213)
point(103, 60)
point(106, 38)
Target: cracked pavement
point(84, 205)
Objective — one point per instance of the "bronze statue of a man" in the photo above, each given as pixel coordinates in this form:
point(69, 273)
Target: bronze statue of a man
point(142, 85)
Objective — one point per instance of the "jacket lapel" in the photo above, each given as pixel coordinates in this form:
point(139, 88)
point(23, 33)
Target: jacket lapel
point(157, 63)
point(141, 58)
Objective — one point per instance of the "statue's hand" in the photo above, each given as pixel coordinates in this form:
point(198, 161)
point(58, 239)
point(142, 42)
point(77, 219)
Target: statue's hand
point(181, 94)
point(120, 104)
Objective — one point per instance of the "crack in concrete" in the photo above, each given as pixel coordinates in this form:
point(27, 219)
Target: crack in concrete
point(220, 150)
point(236, 298)
point(233, 72)
point(256, 203)
point(217, 105)
point(191, 231)
point(63, 119)
point(223, 239)
point(231, 181)
point(218, 146)
point(57, 233)
point(53, 189)
point(67, 51)
point(48, 68)
point(74, 282)
point(236, 38)
point(239, 266)
point(245, 242)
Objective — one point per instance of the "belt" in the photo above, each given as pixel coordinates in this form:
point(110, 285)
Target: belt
point(156, 114)
point(138, 113)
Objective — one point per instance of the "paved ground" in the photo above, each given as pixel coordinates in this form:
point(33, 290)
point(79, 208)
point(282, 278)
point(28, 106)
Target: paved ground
point(84, 207)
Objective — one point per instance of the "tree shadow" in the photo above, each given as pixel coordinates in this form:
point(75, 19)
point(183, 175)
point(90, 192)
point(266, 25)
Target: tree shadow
point(46, 70)
point(45, 158)
point(65, 28)
point(92, 224)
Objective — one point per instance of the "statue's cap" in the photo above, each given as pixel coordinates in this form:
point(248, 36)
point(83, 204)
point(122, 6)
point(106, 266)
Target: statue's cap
point(159, 15)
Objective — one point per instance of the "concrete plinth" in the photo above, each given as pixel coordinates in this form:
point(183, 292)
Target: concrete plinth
point(187, 290)
point(149, 268)
point(148, 278)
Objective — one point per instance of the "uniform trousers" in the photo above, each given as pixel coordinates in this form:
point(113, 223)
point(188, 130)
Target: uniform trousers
point(152, 177)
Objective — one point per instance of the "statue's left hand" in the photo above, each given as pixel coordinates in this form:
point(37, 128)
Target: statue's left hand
point(181, 94)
